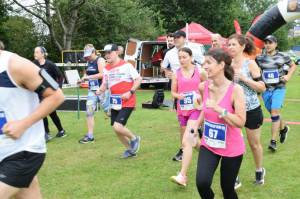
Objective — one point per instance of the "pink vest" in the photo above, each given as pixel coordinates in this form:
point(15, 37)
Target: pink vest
point(185, 85)
point(218, 136)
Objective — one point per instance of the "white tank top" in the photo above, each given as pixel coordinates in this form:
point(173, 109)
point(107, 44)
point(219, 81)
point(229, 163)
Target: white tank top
point(17, 103)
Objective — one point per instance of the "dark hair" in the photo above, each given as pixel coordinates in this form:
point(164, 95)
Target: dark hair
point(170, 34)
point(244, 40)
point(221, 55)
point(187, 50)
point(44, 51)
point(1, 45)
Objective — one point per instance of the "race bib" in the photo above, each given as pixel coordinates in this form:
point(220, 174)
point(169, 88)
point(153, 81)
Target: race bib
point(116, 102)
point(3, 121)
point(271, 76)
point(187, 103)
point(215, 134)
point(93, 84)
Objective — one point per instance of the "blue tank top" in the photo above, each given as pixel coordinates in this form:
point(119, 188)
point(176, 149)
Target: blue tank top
point(252, 100)
point(92, 69)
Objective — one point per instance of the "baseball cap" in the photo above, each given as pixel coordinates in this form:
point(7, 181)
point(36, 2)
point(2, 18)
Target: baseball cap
point(179, 33)
point(271, 38)
point(110, 47)
point(88, 51)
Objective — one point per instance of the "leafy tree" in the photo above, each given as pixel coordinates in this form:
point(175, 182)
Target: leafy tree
point(20, 35)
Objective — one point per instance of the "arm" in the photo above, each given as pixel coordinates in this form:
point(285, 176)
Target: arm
point(174, 90)
point(238, 118)
point(137, 80)
point(258, 86)
point(164, 64)
point(101, 65)
point(26, 75)
point(292, 69)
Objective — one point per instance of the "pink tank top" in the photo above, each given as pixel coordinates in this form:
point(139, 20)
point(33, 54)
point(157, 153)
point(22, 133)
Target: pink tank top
point(218, 136)
point(190, 88)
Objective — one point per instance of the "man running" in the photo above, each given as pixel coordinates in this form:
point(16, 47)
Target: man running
point(277, 70)
point(22, 141)
point(123, 80)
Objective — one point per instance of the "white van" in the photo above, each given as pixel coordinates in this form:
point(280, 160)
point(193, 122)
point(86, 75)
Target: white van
point(146, 56)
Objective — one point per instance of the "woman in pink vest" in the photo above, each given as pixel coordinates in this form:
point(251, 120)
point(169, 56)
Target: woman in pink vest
point(185, 88)
point(223, 115)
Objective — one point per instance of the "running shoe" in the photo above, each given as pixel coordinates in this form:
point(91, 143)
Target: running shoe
point(260, 177)
point(48, 137)
point(61, 134)
point(86, 139)
point(179, 179)
point(283, 134)
point(272, 145)
point(135, 144)
point(237, 183)
point(178, 156)
point(128, 154)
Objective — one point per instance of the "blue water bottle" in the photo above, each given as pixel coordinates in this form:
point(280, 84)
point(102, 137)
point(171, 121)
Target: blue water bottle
point(2, 120)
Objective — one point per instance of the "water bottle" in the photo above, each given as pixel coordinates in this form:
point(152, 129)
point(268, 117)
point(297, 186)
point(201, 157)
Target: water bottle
point(3, 120)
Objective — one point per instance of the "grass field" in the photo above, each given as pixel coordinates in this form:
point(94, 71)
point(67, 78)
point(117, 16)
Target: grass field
point(95, 171)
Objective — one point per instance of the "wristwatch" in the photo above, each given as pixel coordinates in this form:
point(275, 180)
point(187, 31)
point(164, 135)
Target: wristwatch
point(224, 113)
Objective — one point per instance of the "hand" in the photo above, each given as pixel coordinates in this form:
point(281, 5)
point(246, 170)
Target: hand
point(169, 74)
point(126, 95)
point(239, 77)
point(285, 78)
point(180, 96)
point(99, 91)
point(14, 129)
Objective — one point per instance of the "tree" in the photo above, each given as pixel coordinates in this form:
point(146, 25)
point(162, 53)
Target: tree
point(3, 18)
point(20, 36)
point(44, 10)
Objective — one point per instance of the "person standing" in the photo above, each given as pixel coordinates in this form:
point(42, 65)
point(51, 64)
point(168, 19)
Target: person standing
point(94, 75)
point(40, 59)
point(222, 117)
point(123, 80)
point(277, 70)
point(248, 75)
point(22, 135)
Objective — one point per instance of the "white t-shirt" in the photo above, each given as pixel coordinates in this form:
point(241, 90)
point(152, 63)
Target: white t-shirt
point(171, 57)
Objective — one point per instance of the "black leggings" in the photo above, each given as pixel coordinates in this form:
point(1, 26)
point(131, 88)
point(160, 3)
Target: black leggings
point(207, 165)
point(55, 120)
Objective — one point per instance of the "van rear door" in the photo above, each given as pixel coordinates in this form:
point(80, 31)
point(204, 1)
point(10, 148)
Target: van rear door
point(132, 51)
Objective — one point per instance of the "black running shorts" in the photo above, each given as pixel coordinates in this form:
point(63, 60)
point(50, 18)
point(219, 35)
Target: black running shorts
point(254, 118)
point(120, 116)
point(18, 170)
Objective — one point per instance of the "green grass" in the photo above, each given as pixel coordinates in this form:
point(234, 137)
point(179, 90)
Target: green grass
point(95, 171)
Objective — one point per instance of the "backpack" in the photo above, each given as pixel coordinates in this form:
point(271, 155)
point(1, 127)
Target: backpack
point(158, 98)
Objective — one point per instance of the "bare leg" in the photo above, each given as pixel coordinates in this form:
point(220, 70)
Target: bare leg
point(6, 191)
point(187, 146)
point(90, 123)
point(253, 137)
point(275, 125)
point(123, 133)
point(32, 192)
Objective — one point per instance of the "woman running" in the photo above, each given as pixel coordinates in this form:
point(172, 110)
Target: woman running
point(223, 115)
point(248, 75)
point(185, 88)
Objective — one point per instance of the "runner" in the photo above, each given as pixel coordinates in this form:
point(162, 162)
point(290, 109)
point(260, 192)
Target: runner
point(94, 74)
point(223, 115)
point(22, 141)
point(185, 88)
point(40, 59)
point(123, 80)
point(277, 70)
point(248, 75)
